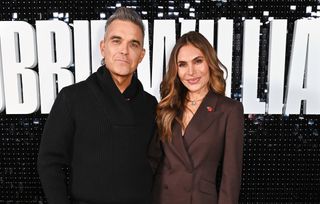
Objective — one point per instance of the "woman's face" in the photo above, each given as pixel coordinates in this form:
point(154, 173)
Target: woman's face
point(193, 69)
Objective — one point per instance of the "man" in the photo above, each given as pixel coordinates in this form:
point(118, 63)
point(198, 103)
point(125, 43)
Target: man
point(100, 128)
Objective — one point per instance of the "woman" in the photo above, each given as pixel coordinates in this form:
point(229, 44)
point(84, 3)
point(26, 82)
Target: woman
point(199, 128)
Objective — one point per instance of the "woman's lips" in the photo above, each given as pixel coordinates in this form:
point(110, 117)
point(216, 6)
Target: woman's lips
point(193, 80)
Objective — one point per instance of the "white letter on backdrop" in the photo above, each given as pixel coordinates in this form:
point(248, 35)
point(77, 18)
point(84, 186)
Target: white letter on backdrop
point(18, 49)
point(144, 68)
point(164, 38)
point(55, 55)
point(82, 61)
point(224, 48)
point(97, 34)
point(276, 65)
point(251, 32)
point(304, 69)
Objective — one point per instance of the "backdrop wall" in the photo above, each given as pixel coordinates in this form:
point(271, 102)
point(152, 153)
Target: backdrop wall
point(271, 49)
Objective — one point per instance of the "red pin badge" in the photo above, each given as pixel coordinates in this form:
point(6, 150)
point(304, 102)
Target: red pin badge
point(209, 108)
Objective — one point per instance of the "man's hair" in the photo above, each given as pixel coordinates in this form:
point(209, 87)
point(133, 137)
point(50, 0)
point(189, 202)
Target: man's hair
point(126, 14)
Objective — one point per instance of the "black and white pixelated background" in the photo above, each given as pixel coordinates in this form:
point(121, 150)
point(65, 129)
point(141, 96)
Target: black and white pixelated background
point(281, 153)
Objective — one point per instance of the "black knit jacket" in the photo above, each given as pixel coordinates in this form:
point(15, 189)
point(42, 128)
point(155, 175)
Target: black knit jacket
point(102, 135)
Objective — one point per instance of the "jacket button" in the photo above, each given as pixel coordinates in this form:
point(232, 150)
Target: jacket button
point(166, 187)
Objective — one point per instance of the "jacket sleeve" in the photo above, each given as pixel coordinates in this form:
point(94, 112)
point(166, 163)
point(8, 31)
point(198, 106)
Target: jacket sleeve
point(55, 150)
point(155, 152)
point(232, 160)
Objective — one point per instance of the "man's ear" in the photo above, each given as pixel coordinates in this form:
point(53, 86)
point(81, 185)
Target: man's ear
point(102, 47)
point(143, 52)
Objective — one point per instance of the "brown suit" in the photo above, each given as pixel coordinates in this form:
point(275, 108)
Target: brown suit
point(188, 172)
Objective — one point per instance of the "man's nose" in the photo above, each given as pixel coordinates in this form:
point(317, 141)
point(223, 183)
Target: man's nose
point(124, 48)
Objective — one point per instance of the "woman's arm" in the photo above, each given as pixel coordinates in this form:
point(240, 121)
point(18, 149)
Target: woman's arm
point(233, 153)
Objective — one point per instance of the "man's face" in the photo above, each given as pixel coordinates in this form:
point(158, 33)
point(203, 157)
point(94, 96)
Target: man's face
point(122, 48)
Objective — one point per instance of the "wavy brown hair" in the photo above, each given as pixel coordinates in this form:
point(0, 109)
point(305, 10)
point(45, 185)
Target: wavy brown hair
point(173, 92)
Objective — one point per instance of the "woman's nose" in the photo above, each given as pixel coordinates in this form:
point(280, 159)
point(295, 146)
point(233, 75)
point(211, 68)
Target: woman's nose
point(190, 69)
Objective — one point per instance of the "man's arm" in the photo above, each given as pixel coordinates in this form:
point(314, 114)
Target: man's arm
point(155, 152)
point(55, 151)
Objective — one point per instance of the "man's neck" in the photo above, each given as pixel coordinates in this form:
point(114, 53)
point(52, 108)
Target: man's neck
point(122, 82)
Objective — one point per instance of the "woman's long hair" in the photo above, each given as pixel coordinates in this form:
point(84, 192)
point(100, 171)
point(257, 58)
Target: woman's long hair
point(173, 92)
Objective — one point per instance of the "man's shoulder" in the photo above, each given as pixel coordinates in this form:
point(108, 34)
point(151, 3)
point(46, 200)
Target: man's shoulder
point(78, 89)
point(150, 98)
point(147, 96)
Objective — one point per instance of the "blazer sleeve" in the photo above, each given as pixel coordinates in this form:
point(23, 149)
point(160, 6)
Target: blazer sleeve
point(54, 153)
point(232, 160)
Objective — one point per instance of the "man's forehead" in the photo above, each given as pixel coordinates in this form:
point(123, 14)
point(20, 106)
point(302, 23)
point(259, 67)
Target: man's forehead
point(124, 30)
point(124, 26)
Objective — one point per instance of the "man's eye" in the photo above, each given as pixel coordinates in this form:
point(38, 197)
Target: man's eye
point(134, 45)
point(115, 41)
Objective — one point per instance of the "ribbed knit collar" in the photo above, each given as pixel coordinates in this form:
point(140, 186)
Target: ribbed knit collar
point(131, 91)
point(121, 109)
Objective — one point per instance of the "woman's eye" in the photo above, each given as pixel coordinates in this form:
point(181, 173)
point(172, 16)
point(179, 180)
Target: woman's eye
point(199, 61)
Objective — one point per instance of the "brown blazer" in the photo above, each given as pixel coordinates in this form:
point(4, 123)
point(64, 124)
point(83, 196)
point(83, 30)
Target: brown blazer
point(187, 174)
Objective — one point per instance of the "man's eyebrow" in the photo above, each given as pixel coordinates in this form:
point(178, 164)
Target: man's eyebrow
point(118, 38)
point(115, 37)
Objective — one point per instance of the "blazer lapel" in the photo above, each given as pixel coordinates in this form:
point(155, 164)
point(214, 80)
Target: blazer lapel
point(202, 119)
point(178, 147)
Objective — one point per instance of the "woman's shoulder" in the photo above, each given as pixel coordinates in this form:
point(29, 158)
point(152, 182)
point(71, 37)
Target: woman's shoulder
point(227, 102)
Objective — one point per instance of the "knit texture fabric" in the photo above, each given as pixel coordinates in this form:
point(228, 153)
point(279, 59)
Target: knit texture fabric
point(102, 135)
